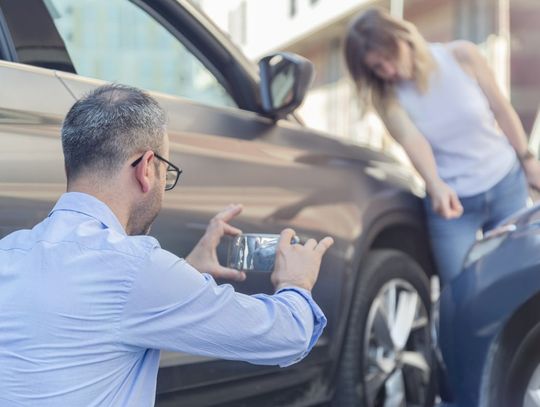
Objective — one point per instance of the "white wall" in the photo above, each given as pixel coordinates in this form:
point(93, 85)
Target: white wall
point(269, 24)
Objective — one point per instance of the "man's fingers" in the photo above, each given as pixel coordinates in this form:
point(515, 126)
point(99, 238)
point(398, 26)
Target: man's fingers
point(230, 274)
point(286, 237)
point(324, 245)
point(229, 212)
point(310, 244)
point(535, 186)
point(231, 230)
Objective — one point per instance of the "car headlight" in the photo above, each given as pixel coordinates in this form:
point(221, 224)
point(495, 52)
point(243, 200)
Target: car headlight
point(489, 243)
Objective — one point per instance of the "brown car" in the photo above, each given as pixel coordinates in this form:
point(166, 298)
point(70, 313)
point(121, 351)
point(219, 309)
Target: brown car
point(234, 133)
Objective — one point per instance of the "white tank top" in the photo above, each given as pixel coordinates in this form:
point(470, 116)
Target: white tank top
point(471, 153)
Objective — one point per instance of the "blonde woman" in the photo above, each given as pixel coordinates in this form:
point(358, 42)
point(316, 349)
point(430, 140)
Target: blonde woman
point(442, 104)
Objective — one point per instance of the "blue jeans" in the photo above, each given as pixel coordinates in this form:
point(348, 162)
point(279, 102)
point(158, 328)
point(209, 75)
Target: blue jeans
point(452, 239)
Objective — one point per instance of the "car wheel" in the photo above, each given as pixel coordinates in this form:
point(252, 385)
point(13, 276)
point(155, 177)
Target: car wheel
point(387, 356)
point(518, 380)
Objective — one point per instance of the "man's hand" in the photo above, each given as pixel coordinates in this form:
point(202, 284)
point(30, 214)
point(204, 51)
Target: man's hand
point(203, 257)
point(445, 200)
point(298, 265)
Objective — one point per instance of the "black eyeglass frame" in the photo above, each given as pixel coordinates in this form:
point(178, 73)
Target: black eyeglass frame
point(170, 167)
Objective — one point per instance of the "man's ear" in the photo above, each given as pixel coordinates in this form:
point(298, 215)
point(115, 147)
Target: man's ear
point(144, 171)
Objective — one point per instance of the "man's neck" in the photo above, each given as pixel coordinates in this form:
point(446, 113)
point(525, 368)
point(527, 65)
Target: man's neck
point(109, 196)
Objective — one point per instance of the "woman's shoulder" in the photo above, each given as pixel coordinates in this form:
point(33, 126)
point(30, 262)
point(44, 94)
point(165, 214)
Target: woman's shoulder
point(464, 51)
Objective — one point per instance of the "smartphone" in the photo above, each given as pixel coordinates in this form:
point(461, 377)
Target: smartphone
point(254, 251)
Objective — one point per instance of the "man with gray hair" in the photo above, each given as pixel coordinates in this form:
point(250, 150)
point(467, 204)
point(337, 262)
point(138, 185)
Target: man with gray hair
point(87, 299)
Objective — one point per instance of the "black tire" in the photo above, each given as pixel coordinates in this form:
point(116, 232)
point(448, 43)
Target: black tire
point(516, 363)
point(382, 269)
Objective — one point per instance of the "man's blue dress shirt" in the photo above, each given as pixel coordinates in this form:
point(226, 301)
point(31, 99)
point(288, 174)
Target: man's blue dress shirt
point(85, 309)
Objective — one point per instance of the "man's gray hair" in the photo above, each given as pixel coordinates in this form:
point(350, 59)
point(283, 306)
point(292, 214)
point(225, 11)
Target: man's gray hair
point(107, 126)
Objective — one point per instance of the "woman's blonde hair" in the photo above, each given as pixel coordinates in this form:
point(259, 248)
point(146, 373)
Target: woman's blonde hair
point(377, 30)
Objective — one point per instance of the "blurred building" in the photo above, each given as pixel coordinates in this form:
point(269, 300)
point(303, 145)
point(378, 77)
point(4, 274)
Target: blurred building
point(525, 59)
point(505, 30)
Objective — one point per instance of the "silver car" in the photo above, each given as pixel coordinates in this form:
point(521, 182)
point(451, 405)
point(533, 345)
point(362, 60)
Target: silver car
point(234, 132)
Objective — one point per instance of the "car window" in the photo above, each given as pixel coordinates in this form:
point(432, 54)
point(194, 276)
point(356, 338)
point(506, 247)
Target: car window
point(115, 40)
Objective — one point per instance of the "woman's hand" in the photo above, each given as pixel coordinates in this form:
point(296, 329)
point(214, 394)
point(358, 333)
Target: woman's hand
point(532, 172)
point(445, 200)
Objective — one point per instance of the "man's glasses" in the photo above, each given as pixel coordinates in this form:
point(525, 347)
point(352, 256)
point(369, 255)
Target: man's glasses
point(173, 172)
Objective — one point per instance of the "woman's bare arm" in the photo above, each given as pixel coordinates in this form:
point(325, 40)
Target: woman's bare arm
point(403, 130)
point(472, 61)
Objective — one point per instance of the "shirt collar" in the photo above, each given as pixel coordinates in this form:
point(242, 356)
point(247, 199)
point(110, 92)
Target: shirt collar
point(90, 206)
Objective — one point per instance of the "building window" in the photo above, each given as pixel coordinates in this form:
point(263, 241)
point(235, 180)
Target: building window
point(292, 8)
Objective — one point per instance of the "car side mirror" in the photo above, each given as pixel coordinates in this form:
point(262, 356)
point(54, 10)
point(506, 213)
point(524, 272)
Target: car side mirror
point(285, 79)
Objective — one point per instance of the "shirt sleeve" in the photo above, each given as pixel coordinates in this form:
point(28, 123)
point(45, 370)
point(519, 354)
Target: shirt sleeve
point(302, 296)
point(171, 306)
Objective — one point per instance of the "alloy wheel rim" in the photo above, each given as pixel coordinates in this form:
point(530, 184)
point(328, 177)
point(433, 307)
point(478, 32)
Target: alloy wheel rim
point(532, 394)
point(396, 348)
